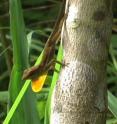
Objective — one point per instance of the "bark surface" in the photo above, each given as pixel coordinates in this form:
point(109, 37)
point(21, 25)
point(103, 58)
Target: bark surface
point(80, 96)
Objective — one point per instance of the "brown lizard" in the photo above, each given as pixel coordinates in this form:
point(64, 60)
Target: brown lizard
point(38, 73)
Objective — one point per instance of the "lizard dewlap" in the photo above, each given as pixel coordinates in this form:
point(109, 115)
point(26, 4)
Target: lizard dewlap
point(38, 84)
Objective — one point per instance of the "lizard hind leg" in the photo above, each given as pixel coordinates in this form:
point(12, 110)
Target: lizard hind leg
point(51, 65)
point(54, 61)
point(63, 64)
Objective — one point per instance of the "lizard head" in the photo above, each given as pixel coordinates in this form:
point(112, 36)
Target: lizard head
point(30, 73)
point(37, 78)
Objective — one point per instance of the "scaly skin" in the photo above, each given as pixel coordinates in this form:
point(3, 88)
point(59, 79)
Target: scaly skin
point(39, 73)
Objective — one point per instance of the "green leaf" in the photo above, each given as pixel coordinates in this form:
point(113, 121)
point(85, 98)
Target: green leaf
point(54, 80)
point(111, 121)
point(3, 96)
point(21, 112)
point(112, 103)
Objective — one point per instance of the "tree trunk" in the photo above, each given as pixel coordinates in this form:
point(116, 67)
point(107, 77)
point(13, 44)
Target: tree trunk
point(80, 96)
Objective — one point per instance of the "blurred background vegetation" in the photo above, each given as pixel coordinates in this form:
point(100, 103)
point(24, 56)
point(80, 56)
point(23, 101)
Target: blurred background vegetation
point(40, 17)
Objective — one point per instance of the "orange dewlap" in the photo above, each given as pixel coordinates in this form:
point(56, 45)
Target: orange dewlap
point(38, 84)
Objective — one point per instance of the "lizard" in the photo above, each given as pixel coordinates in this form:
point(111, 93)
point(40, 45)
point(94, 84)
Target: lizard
point(38, 73)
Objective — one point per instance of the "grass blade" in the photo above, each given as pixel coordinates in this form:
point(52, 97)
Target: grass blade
point(54, 80)
point(112, 104)
point(23, 114)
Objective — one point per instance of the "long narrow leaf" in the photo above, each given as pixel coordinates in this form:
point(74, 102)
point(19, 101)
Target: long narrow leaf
point(54, 80)
point(25, 113)
point(112, 103)
point(20, 95)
